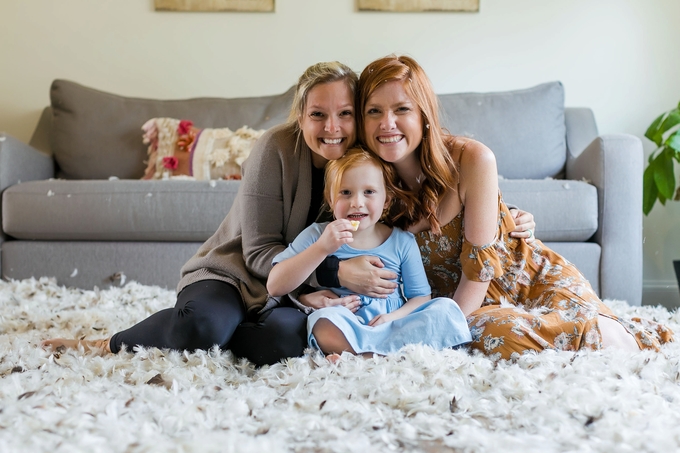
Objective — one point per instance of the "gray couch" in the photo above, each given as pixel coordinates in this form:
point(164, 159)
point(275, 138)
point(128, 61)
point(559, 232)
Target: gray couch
point(73, 206)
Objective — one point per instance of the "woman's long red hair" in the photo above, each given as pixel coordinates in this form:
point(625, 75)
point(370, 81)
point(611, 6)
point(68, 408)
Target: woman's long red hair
point(439, 169)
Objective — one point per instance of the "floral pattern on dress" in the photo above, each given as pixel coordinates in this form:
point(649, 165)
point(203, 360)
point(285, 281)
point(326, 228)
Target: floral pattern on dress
point(536, 299)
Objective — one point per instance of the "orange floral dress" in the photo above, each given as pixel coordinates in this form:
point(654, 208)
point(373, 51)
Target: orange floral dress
point(536, 299)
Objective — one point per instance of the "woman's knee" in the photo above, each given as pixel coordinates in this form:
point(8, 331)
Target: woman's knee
point(615, 335)
point(205, 317)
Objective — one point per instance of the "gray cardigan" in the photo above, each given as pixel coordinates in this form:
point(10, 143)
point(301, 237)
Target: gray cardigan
point(269, 211)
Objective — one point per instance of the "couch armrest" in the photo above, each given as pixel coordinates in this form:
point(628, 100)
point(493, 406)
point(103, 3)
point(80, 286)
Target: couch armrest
point(614, 165)
point(21, 162)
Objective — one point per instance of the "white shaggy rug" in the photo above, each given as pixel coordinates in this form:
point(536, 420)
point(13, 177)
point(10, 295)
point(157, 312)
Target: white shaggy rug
point(416, 400)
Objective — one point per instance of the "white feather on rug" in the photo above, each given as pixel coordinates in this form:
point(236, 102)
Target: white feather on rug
point(416, 400)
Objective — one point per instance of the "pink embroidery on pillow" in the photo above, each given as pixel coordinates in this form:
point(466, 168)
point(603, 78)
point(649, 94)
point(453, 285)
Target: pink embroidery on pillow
point(184, 127)
point(170, 162)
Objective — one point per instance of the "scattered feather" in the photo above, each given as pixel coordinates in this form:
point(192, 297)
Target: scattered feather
point(415, 400)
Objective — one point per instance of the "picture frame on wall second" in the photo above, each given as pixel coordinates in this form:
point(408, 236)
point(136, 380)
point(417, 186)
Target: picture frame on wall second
point(214, 5)
point(418, 5)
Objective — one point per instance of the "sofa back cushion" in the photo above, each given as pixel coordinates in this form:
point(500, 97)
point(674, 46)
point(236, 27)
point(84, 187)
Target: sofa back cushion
point(96, 135)
point(524, 128)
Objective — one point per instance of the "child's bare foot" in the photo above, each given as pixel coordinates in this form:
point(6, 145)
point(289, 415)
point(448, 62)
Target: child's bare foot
point(333, 358)
point(102, 345)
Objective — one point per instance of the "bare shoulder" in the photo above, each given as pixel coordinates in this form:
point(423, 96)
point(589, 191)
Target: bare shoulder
point(475, 157)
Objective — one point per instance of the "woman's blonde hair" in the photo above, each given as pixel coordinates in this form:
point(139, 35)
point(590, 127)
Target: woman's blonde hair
point(335, 170)
point(324, 72)
point(434, 151)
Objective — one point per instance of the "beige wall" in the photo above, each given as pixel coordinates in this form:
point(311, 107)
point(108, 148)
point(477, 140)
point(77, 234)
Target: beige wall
point(618, 57)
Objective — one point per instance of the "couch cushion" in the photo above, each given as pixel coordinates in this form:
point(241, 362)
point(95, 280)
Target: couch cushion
point(564, 210)
point(124, 210)
point(524, 128)
point(180, 210)
point(96, 135)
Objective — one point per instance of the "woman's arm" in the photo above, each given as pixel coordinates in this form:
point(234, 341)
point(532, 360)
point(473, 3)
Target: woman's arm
point(262, 203)
point(479, 192)
point(269, 215)
point(469, 295)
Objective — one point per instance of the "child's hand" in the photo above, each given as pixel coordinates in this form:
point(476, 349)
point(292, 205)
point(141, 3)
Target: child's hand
point(327, 298)
point(336, 233)
point(382, 319)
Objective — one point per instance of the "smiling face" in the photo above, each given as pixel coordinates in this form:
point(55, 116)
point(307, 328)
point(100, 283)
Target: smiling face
point(327, 121)
point(393, 124)
point(361, 195)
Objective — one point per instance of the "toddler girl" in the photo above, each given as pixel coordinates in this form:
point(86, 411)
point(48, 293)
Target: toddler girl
point(359, 189)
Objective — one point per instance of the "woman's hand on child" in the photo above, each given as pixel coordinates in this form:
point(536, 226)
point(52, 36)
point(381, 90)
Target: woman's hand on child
point(524, 225)
point(327, 298)
point(336, 233)
point(365, 275)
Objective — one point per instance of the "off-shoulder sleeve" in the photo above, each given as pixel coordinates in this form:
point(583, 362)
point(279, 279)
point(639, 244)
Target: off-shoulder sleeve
point(482, 263)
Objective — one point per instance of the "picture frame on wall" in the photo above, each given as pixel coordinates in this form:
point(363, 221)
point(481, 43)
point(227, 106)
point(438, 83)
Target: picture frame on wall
point(214, 5)
point(418, 5)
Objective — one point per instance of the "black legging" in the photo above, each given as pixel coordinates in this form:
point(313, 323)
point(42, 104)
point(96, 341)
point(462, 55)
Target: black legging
point(211, 312)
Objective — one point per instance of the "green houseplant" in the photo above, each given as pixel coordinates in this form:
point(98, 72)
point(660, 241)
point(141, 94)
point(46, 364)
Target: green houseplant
point(659, 177)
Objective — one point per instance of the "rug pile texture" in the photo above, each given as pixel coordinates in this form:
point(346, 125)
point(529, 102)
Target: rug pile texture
point(416, 400)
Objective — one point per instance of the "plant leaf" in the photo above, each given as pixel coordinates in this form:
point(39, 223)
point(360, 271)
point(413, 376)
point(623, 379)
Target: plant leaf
point(673, 141)
point(649, 190)
point(653, 130)
point(664, 174)
point(653, 155)
point(672, 120)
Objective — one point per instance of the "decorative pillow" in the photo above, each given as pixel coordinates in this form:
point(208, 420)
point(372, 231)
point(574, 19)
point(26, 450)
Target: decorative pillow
point(95, 134)
point(176, 148)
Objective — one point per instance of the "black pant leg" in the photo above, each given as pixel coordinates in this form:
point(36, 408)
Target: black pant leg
point(206, 314)
point(277, 334)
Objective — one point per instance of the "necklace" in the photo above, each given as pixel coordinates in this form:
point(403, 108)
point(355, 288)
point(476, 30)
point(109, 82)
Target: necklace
point(420, 177)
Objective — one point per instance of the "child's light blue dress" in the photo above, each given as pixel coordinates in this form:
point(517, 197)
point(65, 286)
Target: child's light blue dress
point(438, 323)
